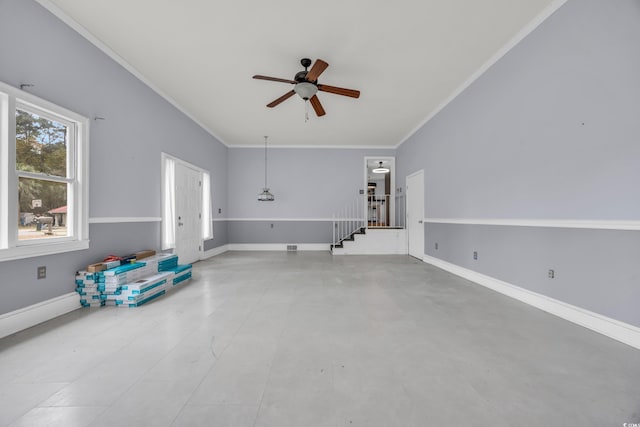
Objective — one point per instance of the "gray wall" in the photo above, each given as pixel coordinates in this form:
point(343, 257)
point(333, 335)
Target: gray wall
point(296, 232)
point(308, 183)
point(125, 148)
point(594, 269)
point(549, 132)
point(220, 235)
point(18, 282)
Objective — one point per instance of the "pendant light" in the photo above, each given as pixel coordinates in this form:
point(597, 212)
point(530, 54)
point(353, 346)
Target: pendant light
point(265, 196)
point(380, 169)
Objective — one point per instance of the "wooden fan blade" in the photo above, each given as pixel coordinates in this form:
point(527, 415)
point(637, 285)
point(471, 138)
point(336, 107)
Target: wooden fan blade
point(274, 79)
point(316, 70)
point(317, 106)
point(339, 91)
point(282, 98)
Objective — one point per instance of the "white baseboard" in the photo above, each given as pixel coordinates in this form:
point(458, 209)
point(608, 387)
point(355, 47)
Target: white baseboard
point(215, 251)
point(277, 246)
point(620, 331)
point(32, 315)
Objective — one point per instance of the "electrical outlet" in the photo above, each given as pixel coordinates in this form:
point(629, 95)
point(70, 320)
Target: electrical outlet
point(42, 272)
point(475, 254)
point(552, 274)
point(219, 210)
point(436, 246)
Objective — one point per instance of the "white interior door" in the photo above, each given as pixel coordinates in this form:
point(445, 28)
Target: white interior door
point(188, 216)
point(415, 214)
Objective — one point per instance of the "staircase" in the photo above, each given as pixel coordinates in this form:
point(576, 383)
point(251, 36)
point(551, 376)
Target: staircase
point(350, 238)
point(373, 241)
point(355, 234)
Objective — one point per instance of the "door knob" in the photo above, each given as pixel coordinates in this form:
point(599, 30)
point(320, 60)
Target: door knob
point(180, 224)
point(420, 222)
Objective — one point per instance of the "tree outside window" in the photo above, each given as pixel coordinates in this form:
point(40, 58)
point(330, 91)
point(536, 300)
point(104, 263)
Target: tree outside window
point(41, 162)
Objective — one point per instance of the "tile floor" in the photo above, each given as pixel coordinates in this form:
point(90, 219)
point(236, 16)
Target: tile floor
point(306, 339)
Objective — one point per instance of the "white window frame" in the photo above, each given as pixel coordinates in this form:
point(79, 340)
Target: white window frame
point(77, 177)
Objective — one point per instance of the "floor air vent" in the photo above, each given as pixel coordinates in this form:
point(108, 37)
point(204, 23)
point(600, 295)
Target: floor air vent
point(292, 248)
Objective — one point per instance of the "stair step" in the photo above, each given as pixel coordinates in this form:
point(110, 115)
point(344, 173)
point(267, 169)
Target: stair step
point(375, 242)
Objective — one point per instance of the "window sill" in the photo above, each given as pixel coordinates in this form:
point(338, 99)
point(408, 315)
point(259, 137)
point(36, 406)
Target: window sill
point(42, 250)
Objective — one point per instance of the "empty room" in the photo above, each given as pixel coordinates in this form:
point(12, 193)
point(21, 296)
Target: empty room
point(252, 214)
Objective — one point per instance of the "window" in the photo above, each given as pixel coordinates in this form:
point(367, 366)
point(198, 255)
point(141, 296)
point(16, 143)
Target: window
point(43, 170)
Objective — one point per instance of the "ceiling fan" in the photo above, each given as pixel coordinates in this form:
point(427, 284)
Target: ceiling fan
point(306, 86)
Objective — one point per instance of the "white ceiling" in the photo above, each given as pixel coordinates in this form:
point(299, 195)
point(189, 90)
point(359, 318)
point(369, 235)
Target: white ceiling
point(407, 57)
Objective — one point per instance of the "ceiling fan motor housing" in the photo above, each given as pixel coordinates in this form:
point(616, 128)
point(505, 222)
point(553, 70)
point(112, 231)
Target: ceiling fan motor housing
point(301, 76)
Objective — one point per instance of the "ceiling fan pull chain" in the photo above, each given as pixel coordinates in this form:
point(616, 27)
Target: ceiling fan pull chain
point(306, 111)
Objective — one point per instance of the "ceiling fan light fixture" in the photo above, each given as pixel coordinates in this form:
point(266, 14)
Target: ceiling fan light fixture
point(380, 169)
point(305, 84)
point(305, 90)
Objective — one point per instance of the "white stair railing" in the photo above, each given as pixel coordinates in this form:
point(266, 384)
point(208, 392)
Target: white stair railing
point(349, 220)
point(382, 213)
point(368, 211)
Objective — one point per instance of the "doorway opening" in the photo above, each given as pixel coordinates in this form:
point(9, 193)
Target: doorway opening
point(186, 213)
point(382, 208)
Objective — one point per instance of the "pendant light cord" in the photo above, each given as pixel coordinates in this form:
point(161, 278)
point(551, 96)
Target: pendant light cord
point(265, 161)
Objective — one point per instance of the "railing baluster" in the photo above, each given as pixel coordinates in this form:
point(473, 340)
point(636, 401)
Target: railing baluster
point(353, 215)
point(333, 231)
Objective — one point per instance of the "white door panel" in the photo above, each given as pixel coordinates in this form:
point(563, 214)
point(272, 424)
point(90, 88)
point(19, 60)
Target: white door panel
point(188, 216)
point(415, 214)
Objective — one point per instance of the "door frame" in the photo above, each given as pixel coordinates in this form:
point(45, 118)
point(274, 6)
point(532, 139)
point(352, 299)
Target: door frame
point(408, 196)
point(392, 179)
point(164, 156)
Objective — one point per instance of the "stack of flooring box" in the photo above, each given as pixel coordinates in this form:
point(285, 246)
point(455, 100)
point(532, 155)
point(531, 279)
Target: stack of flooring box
point(87, 287)
point(132, 285)
point(134, 294)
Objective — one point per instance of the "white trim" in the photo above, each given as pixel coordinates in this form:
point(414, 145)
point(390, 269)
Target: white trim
point(548, 223)
point(277, 246)
point(122, 219)
point(214, 252)
point(285, 219)
point(49, 248)
point(11, 247)
point(7, 104)
point(620, 331)
point(57, 12)
point(32, 315)
point(321, 147)
point(520, 35)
